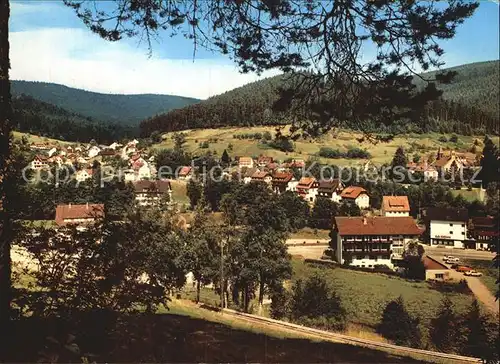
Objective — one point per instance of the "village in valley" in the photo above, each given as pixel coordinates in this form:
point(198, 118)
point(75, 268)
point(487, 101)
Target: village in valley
point(249, 181)
point(375, 238)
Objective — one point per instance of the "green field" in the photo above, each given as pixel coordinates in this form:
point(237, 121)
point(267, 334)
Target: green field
point(365, 295)
point(470, 196)
point(381, 152)
point(37, 139)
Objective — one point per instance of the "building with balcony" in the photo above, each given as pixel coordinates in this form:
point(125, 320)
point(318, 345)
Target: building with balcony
point(330, 189)
point(370, 241)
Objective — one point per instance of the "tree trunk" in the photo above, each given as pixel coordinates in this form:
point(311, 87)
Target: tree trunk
point(261, 291)
point(198, 288)
point(5, 136)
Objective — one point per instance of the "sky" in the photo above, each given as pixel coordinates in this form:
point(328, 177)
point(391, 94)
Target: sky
point(50, 44)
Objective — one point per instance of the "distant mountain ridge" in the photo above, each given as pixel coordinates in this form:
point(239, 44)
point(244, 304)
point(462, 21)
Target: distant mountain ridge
point(40, 118)
point(126, 110)
point(470, 104)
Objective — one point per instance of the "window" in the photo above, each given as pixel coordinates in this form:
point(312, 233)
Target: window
point(463, 233)
point(451, 224)
point(451, 232)
point(463, 225)
point(439, 275)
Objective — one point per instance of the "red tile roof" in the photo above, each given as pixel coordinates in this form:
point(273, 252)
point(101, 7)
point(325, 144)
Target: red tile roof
point(379, 225)
point(433, 264)
point(306, 182)
point(245, 160)
point(396, 203)
point(185, 171)
point(352, 192)
point(160, 186)
point(74, 212)
point(259, 175)
point(282, 177)
point(329, 185)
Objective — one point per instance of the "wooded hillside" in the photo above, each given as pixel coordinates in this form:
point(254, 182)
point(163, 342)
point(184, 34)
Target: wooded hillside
point(44, 119)
point(121, 109)
point(469, 105)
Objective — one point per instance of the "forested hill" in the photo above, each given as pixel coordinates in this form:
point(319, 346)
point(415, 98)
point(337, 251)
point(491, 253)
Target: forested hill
point(44, 119)
point(470, 105)
point(121, 109)
point(476, 84)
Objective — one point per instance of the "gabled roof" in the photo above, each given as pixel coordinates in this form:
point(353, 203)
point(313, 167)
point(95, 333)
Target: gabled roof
point(72, 212)
point(159, 186)
point(329, 186)
point(433, 264)
point(306, 182)
point(396, 203)
point(378, 225)
point(247, 160)
point(487, 221)
point(446, 214)
point(352, 192)
point(282, 177)
point(260, 175)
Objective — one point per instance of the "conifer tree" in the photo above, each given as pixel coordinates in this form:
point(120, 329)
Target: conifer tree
point(444, 327)
point(399, 326)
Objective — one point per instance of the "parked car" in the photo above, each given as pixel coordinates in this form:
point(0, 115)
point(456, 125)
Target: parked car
point(473, 273)
point(463, 268)
point(450, 259)
point(454, 266)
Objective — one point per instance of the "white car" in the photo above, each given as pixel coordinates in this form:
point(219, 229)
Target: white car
point(473, 273)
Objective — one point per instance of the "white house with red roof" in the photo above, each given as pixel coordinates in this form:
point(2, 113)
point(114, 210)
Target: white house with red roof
point(262, 176)
point(39, 162)
point(283, 181)
point(356, 195)
point(369, 241)
point(395, 206)
point(307, 188)
point(78, 214)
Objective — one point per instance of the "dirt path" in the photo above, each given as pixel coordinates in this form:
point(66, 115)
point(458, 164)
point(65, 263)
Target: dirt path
point(481, 292)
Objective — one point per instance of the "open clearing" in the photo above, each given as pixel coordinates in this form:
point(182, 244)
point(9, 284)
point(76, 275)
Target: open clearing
point(381, 152)
point(365, 295)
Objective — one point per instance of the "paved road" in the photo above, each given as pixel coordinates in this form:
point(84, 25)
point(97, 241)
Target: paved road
point(477, 287)
point(460, 253)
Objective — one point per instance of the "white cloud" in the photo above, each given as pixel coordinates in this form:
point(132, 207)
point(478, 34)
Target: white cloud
point(78, 58)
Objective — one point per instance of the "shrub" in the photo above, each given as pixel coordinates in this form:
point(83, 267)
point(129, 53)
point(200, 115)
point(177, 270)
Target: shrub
point(267, 135)
point(354, 152)
point(327, 152)
point(283, 144)
point(443, 139)
point(204, 145)
point(454, 138)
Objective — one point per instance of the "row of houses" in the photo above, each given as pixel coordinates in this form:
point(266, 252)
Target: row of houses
point(140, 166)
point(147, 193)
point(443, 163)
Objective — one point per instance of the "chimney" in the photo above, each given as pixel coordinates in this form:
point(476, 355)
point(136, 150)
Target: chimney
point(70, 205)
point(364, 221)
point(87, 205)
